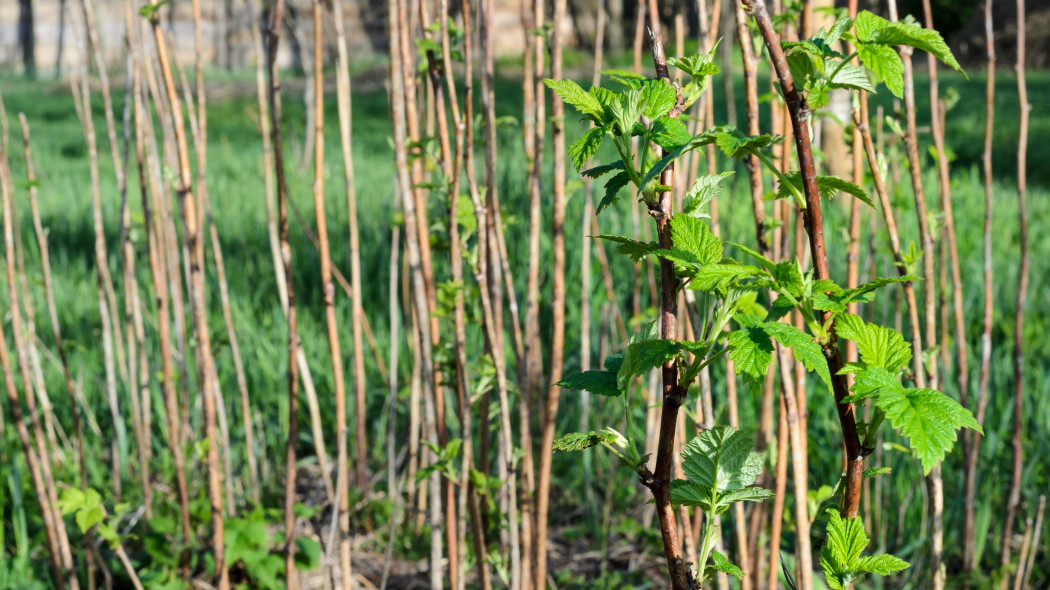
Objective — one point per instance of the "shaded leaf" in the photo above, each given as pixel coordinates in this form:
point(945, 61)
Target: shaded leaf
point(597, 382)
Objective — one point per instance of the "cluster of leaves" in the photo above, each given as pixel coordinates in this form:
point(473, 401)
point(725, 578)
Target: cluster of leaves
point(90, 513)
point(840, 557)
point(818, 68)
point(720, 463)
point(721, 468)
point(927, 417)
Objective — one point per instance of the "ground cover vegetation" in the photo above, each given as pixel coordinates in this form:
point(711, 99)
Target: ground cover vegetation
point(249, 349)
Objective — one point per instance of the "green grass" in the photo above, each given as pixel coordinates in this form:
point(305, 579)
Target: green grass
point(235, 183)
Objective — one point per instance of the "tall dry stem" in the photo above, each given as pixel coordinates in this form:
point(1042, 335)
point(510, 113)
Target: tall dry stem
point(195, 248)
point(1014, 500)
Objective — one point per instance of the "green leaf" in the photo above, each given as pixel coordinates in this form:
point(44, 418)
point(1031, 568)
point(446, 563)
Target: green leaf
point(736, 145)
point(605, 98)
point(840, 556)
point(928, 418)
point(706, 188)
point(686, 262)
point(578, 441)
point(884, 62)
point(613, 362)
point(915, 36)
point(659, 98)
point(597, 382)
point(807, 352)
point(720, 276)
point(867, 24)
point(751, 349)
point(626, 111)
point(669, 133)
point(850, 76)
point(693, 235)
point(882, 565)
point(767, 263)
point(641, 357)
point(722, 458)
point(871, 472)
point(869, 382)
point(89, 517)
point(612, 190)
point(722, 564)
point(583, 101)
point(307, 553)
point(150, 10)
point(687, 493)
point(633, 249)
point(827, 186)
point(839, 301)
point(585, 147)
point(878, 346)
point(752, 494)
point(599, 171)
point(697, 66)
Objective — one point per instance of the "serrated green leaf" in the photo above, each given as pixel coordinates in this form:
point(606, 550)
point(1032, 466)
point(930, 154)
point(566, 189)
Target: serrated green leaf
point(581, 100)
point(597, 382)
point(612, 190)
point(668, 133)
point(613, 362)
point(720, 276)
point(697, 66)
point(688, 493)
point(788, 277)
point(627, 110)
point(928, 418)
point(599, 171)
point(582, 149)
point(659, 98)
point(693, 235)
point(722, 564)
point(871, 472)
point(827, 186)
point(878, 346)
point(882, 565)
point(840, 556)
point(839, 301)
point(704, 189)
point(870, 381)
point(806, 351)
point(750, 494)
point(915, 36)
point(735, 144)
point(850, 76)
point(721, 459)
point(578, 441)
point(641, 357)
point(605, 98)
point(884, 62)
point(633, 249)
point(751, 349)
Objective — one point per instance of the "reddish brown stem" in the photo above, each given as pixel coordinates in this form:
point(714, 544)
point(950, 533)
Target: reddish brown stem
point(814, 224)
point(673, 393)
